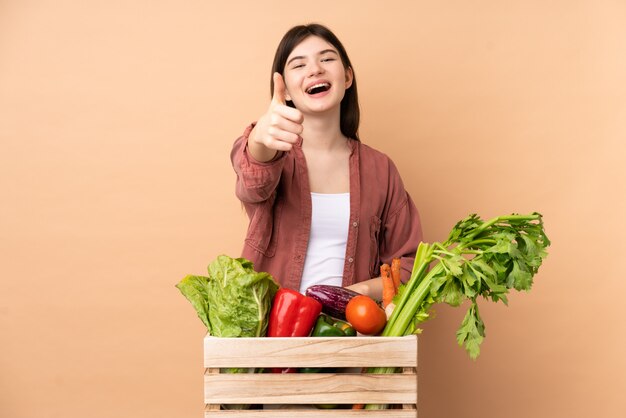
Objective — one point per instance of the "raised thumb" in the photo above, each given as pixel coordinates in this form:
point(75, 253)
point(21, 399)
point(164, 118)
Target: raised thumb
point(279, 89)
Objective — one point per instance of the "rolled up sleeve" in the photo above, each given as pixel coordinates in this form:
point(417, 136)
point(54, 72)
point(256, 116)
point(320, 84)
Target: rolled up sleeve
point(256, 181)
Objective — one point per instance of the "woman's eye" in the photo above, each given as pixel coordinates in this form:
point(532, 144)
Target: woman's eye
point(298, 66)
point(328, 59)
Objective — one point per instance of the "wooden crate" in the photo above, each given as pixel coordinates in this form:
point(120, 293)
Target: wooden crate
point(294, 390)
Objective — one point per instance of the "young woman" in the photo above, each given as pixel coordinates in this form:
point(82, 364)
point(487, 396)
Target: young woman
point(324, 208)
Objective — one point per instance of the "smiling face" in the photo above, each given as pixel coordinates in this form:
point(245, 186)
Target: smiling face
point(315, 76)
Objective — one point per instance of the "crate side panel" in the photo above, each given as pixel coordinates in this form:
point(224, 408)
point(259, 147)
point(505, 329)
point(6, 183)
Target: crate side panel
point(304, 388)
point(311, 352)
point(317, 413)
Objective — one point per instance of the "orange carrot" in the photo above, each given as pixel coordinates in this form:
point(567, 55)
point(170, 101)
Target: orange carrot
point(389, 290)
point(395, 272)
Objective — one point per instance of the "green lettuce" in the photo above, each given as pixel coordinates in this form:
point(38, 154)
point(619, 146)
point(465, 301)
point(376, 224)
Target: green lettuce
point(234, 300)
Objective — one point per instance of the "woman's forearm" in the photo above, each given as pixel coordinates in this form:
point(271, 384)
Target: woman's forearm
point(372, 288)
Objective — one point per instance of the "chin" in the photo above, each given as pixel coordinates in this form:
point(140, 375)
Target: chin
point(323, 107)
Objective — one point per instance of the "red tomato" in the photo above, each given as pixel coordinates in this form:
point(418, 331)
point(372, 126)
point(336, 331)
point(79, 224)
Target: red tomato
point(364, 314)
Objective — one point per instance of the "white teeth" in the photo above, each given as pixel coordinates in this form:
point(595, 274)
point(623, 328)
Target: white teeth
point(316, 86)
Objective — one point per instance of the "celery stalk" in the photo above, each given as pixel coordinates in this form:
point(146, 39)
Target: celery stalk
point(479, 258)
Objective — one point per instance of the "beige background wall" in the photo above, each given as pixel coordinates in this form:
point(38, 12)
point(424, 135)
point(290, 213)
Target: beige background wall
point(116, 120)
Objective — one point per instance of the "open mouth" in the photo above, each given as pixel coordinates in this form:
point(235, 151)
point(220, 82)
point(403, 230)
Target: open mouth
point(318, 88)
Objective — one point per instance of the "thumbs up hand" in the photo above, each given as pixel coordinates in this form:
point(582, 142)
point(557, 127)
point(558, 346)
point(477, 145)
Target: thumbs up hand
point(278, 129)
point(280, 90)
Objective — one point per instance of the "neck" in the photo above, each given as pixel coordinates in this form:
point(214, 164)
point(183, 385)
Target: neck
point(322, 132)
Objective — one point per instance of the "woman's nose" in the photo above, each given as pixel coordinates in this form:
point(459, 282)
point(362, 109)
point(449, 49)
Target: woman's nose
point(315, 69)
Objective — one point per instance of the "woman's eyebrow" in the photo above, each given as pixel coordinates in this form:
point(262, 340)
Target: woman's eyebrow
point(326, 51)
point(299, 57)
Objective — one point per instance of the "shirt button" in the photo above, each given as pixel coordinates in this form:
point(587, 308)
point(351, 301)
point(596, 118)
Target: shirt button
point(350, 260)
point(355, 224)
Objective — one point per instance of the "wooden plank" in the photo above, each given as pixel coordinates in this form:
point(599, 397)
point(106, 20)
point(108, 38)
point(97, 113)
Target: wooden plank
point(316, 413)
point(410, 371)
point(211, 407)
point(305, 388)
point(311, 352)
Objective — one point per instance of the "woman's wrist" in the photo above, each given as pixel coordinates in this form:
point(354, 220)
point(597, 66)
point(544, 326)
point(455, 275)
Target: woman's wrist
point(257, 150)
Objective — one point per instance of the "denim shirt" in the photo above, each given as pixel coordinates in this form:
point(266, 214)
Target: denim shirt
point(384, 222)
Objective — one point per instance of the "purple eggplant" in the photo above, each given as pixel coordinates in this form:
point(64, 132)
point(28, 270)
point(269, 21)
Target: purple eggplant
point(334, 299)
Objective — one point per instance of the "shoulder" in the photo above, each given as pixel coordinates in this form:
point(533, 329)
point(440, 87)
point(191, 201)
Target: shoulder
point(370, 155)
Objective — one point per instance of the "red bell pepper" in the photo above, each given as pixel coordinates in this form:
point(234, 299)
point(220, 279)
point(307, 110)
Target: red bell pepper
point(292, 315)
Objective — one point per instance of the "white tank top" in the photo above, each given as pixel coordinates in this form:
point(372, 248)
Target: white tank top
point(326, 252)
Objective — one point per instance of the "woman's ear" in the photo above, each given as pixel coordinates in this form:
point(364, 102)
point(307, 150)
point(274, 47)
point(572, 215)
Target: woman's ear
point(349, 77)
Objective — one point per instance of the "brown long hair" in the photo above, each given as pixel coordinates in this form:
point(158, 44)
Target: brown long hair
point(350, 113)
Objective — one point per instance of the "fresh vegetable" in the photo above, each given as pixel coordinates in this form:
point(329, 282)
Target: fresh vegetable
point(364, 314)
point(395, 272)
point(389, 285)
point(479, 258)
point(293, 315)
point(389, 290)
point(233, 301)
point(334, 299)
point(347, 329)
point(326, 326)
